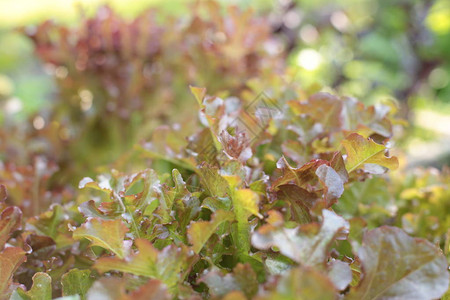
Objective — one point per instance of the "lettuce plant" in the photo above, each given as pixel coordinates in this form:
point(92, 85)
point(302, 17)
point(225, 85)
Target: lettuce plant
point(247, 207)
point(118, 78)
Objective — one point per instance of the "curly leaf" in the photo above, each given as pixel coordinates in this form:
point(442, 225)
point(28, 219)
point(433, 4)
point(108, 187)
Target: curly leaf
point(41, 289)
point(307, 244)
point(52, 223)
point(322, 107)
point(76, 282)
point(300, 201)
point(108, 234)
point(200, 232)
point(165, 265)
point(397, 266)
point(245, 203)
point(214, 184)
point(361, 151)
point(10, 220)
point(300, 176)
point(10, 259)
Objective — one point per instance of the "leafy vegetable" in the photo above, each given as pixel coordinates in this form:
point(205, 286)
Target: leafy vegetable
point(108, 234)
point(199, 232)
point(361, 152)
point(307, 244)
point(165, 265)
point(277, 192)
point(41, 289)
point(395, 265)
point(10, 259)
point(76, 282)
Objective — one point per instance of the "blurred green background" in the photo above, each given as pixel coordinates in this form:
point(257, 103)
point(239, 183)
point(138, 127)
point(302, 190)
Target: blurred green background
point(369, 49)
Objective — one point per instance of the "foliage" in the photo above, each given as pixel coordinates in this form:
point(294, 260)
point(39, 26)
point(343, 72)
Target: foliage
point(277, 192)
point(240, 215)
point(371, 49)
point(118, 78)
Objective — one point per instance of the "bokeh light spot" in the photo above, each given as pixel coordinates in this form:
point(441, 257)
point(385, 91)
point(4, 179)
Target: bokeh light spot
point(309, 59)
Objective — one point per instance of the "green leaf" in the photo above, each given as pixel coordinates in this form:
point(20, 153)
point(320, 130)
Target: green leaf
point(214, 204)
point(447, 295)
point(199, 94)
point(369, 198)
point(397, 266)
point(41, 289)
point(307, 244)
point(245, 203)
point(361, 151)
point(165, 265)
point(48, 222)
point(199, 232)
point(357, 229)
point(108, 234)
point(103, 185)
point(76, 282)
point(52, 223)
point(247, 200)
point(10, 259)
point(214, 184)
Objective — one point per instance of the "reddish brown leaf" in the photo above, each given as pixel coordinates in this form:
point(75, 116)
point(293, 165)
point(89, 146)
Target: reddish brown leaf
point(10, 259)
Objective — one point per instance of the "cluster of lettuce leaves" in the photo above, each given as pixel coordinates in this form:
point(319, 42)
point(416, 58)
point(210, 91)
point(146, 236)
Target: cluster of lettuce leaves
point(268, 200)
point(118, 78)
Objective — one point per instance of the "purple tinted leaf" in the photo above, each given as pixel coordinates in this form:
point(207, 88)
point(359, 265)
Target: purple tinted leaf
point(242, 279)
point(307, 244)
point(397, 266)
point(10, 220)
point(10, 259)
point(332, 182)
point(340, 274)
point(303, 283)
